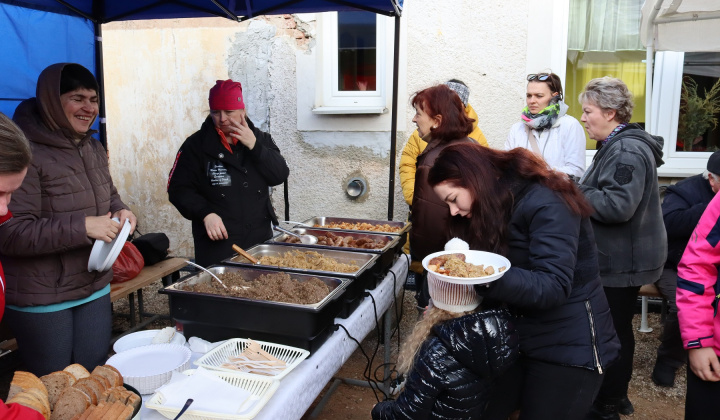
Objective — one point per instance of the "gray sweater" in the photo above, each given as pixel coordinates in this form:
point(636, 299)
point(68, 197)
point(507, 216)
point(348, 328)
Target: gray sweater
point(622, 186)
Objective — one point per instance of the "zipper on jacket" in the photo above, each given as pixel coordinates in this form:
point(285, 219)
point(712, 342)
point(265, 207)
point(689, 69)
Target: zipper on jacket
point(596, 353)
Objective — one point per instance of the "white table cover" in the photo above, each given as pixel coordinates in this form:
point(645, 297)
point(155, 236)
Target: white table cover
point(300, 387)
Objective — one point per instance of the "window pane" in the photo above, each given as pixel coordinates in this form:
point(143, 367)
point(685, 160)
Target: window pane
point(604, 40)
point(700, 103)
point(357, 52)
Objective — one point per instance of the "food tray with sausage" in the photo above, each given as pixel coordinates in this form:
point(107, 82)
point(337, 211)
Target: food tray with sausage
point(385, 245)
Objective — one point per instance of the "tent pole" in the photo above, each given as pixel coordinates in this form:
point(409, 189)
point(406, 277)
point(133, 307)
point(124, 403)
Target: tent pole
point(393, 119)
point(99, 69)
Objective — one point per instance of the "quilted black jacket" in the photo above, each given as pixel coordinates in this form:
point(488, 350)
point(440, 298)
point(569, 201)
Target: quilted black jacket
point(455, 369)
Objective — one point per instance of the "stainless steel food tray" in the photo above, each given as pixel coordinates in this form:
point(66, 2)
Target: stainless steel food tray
point(221, 317)
point(390, 240)
point(336, 285)
point(321, 221)
point(364, 261)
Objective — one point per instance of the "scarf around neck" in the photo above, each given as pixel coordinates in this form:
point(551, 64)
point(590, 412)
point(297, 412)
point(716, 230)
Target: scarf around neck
point(545, 118)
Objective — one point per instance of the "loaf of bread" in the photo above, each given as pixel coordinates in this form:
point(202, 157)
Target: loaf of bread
point(62, 395)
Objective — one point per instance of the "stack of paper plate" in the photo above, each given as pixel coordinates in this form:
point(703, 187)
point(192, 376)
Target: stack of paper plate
point(104, 254)
point(149, 367)
point(143, 338)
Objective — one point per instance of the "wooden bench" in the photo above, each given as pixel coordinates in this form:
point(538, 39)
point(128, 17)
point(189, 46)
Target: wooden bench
point(166, 270)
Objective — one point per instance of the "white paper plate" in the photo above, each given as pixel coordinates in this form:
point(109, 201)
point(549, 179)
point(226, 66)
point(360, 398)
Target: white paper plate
point(149, 367)
point(474, 257)
point(143, 338)
point(104, 254)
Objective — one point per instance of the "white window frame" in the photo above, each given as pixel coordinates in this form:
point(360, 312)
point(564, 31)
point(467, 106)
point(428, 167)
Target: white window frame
point(329, 99)
point(667, 80)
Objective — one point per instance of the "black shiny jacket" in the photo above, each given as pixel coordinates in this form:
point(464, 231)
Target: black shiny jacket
point(455, 369)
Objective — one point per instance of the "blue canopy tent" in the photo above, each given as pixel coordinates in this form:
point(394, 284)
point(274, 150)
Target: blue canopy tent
point(37, 33)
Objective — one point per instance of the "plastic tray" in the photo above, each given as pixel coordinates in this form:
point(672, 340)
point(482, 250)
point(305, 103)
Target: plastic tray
point(292, 356)
point(260, 388)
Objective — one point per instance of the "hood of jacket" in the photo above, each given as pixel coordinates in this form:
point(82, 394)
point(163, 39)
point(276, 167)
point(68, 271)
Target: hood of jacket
point(42, 118)
point(486, 342)
point(655, 143)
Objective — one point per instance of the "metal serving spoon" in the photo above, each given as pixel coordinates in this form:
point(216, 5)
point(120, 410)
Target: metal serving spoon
point(304, 239)
point(209, 272)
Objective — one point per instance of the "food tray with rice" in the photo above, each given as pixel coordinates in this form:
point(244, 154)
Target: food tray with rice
point(360, 267)
point(251, 358)
point(385, 245)
point(207, 310)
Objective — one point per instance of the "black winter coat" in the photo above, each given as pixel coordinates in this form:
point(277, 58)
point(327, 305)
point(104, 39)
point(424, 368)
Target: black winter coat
point(455, 369)
point(553, 285)
point(682, 207)
point(206, 178)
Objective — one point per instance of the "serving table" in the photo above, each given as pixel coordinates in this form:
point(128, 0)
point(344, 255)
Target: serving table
point(301, 387)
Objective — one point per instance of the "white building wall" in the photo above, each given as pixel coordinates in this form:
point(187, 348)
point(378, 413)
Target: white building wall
point(157, 76)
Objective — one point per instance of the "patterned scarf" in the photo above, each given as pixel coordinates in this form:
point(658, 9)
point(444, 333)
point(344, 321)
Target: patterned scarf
point(614, 132)
point(547, 117)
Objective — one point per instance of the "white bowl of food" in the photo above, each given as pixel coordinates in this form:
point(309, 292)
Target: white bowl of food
point(478, 267)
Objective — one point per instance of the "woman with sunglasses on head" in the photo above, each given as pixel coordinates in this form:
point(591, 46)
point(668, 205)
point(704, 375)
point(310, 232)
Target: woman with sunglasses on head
point(546, 129)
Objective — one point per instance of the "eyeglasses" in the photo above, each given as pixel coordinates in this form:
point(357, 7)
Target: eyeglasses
point(540, 76)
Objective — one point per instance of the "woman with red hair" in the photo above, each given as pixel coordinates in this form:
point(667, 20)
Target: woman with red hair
point(441, 121)
point(513, 204)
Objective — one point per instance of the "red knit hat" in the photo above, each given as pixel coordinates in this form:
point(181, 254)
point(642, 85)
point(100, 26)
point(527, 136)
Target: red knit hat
point(226, 95)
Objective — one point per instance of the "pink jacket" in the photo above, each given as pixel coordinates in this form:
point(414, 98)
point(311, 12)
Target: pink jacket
point(698, 289)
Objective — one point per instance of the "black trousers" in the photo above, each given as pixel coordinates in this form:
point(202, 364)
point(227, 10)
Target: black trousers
point(670, 351)
point(51, 341)
point(544, 391)
point(617, 376)
point(701, 400)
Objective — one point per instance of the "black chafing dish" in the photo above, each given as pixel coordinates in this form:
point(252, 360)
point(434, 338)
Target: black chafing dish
point(215, 317)
point(386, 255)
point(365, 277)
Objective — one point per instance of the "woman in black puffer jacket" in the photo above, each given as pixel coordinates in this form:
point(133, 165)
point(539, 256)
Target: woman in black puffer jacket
point(454, 360)
point(513, 204)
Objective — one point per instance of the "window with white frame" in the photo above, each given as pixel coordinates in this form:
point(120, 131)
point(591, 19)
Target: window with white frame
point(603, 40)
point(352, 64)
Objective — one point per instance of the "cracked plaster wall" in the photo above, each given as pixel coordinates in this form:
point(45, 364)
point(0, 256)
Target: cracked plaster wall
point(158, 74)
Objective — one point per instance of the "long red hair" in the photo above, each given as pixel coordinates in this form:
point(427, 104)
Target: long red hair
point(441, 100)
point(490, 176)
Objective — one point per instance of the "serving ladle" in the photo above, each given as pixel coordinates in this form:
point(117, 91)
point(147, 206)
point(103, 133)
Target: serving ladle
point(304, 239)
point(209, 272)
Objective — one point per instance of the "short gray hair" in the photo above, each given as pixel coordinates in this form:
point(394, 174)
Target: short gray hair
point(15, 153)
point(609, 93)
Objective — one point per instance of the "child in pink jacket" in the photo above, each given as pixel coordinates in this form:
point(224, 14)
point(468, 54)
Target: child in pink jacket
point(698, 291)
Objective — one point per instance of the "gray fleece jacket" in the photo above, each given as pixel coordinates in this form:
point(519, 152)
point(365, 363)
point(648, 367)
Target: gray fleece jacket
point(622, 186)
